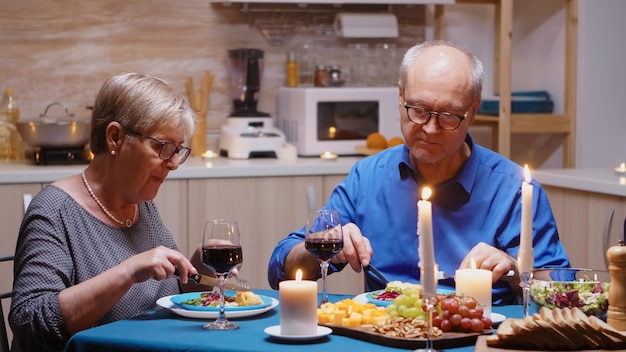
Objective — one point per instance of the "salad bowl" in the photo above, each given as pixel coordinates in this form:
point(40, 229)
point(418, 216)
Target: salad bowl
point(586, 289)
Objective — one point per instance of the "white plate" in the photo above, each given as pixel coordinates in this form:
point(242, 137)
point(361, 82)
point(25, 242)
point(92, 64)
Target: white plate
point(363, 298)
point(497, 318)
point(166, 302)
point(274, 331)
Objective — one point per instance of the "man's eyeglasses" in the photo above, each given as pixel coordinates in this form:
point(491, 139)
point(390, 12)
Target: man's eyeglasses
point(168, 149)
point(445, 120)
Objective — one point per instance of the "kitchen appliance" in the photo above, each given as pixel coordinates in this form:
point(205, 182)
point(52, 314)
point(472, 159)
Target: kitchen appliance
point(337, 119)
point(248, 133)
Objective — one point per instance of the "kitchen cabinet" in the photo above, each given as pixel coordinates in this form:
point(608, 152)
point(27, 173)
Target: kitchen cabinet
point(11, 214)
point(506, 123)
point(582, 218)
point(388, 2)
point(267, 209)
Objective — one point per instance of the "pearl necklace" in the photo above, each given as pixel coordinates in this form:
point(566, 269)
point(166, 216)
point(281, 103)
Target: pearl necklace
point(127, 223)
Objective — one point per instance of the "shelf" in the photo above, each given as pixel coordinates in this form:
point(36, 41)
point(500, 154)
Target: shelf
point(388, 2)
point(505, 124)
point(530, 123)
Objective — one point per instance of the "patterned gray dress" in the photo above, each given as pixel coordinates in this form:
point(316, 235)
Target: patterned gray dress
point(61, 244)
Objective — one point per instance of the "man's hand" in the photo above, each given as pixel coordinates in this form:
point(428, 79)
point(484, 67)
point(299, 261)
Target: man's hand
point(495, 260)
point(357, 250)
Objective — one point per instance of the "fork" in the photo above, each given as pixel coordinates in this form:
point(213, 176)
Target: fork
point(243, 282)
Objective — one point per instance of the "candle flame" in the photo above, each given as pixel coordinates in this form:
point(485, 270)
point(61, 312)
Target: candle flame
point(473, 263)
point(527, 173)
point(426, 193)
point(298, 276)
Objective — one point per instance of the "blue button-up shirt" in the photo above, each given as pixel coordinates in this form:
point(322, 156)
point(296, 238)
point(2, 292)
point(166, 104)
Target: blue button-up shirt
point(481, 203)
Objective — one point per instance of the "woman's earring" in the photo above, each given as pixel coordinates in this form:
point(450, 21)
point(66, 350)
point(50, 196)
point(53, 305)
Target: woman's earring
point(113, 152)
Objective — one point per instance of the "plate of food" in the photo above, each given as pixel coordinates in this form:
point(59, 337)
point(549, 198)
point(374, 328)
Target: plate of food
point(209, 301)
point(394, 289)
point(187, 311)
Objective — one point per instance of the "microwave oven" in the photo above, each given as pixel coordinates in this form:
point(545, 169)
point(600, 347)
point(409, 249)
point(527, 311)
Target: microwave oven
point(336, 119)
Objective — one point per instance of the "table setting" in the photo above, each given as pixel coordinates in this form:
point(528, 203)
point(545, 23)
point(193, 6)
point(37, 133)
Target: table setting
point(423, 317)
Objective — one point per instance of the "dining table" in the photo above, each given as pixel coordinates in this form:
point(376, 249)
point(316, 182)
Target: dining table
point(164, 330)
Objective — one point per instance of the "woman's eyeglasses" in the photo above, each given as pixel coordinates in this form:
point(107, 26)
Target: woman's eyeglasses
point(168, 149)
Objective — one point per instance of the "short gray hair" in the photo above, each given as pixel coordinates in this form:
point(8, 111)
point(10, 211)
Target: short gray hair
point(414, 52)
point(138, 102)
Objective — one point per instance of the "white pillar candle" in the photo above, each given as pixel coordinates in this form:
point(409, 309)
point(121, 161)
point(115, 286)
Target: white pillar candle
point(426, 248)
point(475, 283)
point(298, 306)
point(525, 255)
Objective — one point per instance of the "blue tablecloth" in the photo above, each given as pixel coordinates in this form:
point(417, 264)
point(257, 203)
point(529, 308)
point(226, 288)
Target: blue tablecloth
point(163, 330)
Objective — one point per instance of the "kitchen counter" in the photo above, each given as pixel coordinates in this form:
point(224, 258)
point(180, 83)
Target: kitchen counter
point(193, 168)
point(597, 180)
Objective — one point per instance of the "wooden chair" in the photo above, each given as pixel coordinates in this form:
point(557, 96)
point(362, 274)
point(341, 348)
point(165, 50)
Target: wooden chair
point(4, 338)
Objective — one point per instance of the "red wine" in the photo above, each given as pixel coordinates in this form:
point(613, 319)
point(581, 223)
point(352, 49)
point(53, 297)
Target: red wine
point(323, 249)
point(222, 258)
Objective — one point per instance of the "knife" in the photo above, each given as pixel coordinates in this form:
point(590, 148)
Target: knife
point(212, 281)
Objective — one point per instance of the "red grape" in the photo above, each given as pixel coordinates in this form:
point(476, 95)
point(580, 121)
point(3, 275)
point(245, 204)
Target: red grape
point(455, 319)
point(487, 322)
point(470, 303)
point(437, 321)
point(477, 325)
point(446, 326)
point(466, 323)
point(464, 311)
point(475, 313)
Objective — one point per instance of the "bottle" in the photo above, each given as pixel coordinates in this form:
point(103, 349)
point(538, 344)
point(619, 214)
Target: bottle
point(10, 141)
point(616, 315)
point(292, 70)
point(321, 76)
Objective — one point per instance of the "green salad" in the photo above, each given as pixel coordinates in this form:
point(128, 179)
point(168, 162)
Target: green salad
point(588, 295)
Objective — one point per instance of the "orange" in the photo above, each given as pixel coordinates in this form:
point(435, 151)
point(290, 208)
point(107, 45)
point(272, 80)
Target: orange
point(376, 141)
point(394, 141)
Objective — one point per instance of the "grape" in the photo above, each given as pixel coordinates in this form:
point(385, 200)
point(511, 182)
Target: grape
point(487, 322)
point(464, 311)
point(437, 321)
point(466, 323)
point(475, 313)
point(470, 303)
point(477, 325)
point(446, 326)
point(455, 319)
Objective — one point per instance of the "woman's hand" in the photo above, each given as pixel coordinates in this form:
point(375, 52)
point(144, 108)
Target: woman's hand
point(158, 263)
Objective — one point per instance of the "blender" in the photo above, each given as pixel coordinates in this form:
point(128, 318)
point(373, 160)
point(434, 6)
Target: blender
point(248, 133)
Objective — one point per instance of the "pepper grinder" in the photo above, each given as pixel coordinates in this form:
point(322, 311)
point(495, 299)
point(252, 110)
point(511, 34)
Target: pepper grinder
point(616, 316)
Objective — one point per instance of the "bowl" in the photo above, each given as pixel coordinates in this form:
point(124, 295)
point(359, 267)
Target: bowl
point(586, 289)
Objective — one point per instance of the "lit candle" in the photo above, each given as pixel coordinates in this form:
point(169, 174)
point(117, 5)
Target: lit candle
point(475, 283)
point(328, 156)
point(298, 306)
point(621, 170)
point(209, 154)
point(426, 248)
point(525, 255)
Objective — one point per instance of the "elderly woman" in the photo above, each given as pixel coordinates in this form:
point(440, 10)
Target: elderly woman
point(92, 247)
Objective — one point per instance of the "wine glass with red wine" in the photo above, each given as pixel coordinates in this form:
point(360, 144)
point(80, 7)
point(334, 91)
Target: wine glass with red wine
point(222, 254)
point(324, 239)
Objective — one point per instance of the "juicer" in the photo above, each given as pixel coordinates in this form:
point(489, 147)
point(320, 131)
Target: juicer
point(248, 133)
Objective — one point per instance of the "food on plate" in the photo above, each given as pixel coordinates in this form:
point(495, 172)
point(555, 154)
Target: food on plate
point(212, 299)
point(395, 289)
point(393, 141)
point(376, 140)
point(589, 295)
point(351, 313)
point(406, 327)
point(562, 329)
point(247, 298)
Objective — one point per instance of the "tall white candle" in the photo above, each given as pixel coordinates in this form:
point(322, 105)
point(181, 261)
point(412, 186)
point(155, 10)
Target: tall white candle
point(426, 249)
point(525, 254)
point(298, 306)
point(475, 283)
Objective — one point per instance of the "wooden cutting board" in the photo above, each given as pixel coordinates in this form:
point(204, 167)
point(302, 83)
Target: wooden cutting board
point(447, 340)
point(481, 346)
